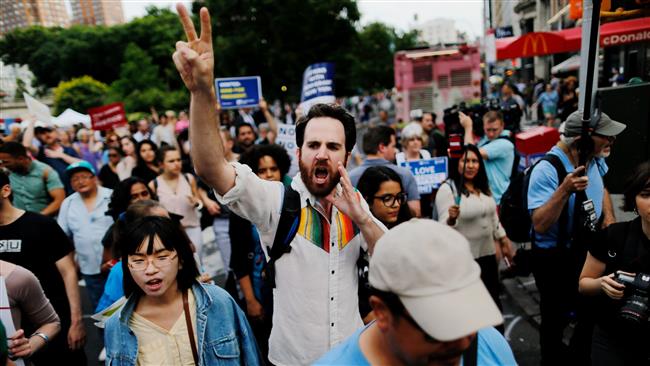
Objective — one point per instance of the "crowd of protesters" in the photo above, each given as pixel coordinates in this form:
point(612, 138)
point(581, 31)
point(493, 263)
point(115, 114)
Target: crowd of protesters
point(343, 262)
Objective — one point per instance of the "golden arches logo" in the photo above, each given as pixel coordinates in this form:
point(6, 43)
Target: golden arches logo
point(534, 40)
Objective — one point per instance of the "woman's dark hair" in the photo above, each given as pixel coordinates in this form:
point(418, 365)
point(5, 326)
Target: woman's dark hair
point(333, 111)
point(133, 141)
point(153, 146)
point(121, 197)
point(172, 237)
point(276, 152)
point(635, 184)
point(160, 154)
point(371, 180)
point(480, 180)
point(116, 149)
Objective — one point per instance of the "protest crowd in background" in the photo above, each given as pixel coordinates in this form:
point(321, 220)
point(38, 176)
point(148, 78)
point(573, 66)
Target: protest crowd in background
point(398, 263)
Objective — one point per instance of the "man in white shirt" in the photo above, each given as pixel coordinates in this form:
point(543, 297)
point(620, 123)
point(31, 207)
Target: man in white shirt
point(315, 302)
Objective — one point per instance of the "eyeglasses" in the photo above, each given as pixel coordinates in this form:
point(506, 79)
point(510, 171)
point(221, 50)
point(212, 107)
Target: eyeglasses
point(389, 200)
point(608, 138)
point(79, 178)
point(160, 261)
point(113, 155)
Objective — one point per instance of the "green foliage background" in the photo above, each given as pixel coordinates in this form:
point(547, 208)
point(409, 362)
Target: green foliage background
point(275, 40)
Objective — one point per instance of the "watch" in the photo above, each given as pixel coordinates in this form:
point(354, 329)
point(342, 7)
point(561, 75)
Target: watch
point(42, 335)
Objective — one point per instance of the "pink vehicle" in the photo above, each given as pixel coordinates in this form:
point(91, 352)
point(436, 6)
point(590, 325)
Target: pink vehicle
point(436, 78)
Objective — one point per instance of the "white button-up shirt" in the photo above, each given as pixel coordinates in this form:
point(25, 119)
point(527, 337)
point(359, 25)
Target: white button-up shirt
point(315, 302)
point(86, 229)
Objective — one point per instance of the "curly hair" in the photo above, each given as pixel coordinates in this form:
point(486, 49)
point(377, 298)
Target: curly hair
point(276, 152)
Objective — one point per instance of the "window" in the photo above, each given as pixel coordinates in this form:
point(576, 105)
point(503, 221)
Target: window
point(462, 77)
point(422, 73)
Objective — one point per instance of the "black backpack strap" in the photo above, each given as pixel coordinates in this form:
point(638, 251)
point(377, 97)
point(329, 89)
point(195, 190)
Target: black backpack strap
point(470, 356)
point(556, 162)
point(564, 232)
point(286, 230)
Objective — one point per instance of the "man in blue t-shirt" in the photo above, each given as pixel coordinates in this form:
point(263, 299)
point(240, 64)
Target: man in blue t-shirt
point(435, 309)
point(497, 151)
point(556, 268)
point(379, 145)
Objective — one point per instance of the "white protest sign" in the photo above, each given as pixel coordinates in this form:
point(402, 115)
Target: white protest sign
point(39, 110)
point(287, 138)
point(428, 173)
point(5, 315)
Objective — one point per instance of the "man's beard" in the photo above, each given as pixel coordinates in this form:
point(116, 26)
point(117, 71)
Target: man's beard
point(307, 174)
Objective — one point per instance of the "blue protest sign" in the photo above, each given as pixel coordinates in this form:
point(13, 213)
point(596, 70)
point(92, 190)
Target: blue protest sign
point(238, 92)
point(428, 173)
point(317, 85)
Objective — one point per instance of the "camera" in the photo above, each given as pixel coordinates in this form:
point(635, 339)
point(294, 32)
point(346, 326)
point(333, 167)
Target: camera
point(635, 308)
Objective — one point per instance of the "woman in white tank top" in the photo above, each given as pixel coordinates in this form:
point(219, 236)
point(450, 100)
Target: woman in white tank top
point(177, 192)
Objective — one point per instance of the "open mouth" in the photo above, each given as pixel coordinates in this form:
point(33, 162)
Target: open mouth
point(321, 174)
point(154, 285)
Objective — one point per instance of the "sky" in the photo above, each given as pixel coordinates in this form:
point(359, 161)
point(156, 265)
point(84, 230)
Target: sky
point(396, 13)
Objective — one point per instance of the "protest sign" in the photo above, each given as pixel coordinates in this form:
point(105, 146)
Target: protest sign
point(5, 316)
point(287, 138)
point(238, 92)
point(317, 85)
point(107, 116)
point(39, 110)
point(428, 173)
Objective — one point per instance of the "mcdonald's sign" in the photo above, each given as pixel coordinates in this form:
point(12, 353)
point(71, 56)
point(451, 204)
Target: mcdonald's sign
point(535, 40)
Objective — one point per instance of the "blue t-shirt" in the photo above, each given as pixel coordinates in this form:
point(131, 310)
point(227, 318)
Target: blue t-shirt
point(498, 165)
point(493, 349)
point(544, 182)
point(113, 289)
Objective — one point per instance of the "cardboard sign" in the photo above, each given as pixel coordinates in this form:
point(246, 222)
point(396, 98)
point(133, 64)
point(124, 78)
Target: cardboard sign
point(239, 92)
point(317, 85)
point(428, 173)
point(39, 110)
point(287, 138)
point(107, 116)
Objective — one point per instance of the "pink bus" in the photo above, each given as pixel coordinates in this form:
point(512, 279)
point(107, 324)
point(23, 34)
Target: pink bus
point(433, 79)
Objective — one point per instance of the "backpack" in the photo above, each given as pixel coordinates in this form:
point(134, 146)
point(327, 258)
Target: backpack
point(513, 212)
point(516, 219)
point(285, 232)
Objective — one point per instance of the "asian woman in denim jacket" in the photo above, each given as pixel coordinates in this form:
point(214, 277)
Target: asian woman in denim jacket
point(153, 327)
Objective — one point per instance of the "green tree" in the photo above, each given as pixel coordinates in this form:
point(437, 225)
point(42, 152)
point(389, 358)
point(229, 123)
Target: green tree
point(279, 39)
point(79, 94)
point(377, 43)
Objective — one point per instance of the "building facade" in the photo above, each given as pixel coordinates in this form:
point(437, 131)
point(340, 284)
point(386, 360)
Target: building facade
point(97, 12)
point(23, 13)
point(438, 32)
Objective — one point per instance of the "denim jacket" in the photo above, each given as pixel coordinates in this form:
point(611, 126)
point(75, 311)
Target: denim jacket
point(224, 336)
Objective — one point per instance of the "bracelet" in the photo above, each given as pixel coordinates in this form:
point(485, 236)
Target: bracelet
point(42, 335)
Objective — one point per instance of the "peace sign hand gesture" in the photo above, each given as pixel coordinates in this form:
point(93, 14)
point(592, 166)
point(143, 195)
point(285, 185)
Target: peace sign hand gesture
point(194, 59)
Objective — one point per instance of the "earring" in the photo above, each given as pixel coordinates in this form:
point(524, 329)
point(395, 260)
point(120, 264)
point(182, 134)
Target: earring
point(635, 211)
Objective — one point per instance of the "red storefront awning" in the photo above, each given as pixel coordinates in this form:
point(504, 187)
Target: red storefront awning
point(568, 40)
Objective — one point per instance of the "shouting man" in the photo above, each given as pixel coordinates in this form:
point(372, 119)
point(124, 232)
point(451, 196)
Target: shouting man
point(315, 302)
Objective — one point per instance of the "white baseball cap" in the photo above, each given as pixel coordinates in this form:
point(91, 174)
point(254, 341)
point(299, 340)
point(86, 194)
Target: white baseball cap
point(430, 268)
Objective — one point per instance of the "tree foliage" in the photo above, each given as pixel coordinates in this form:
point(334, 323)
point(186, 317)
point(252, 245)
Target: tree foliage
point(79, 94)
point(276, 40)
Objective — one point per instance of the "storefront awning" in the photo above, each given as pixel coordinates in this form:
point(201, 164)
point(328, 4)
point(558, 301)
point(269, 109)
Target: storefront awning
point(568, 40)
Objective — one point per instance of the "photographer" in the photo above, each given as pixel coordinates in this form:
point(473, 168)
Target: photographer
point(622, 332)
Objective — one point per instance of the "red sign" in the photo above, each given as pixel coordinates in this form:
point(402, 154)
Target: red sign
point(107, 116)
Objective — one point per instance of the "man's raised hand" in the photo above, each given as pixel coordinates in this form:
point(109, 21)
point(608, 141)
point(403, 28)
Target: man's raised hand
point(194, 59)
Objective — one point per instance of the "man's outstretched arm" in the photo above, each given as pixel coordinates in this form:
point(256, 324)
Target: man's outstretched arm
point(194, 61)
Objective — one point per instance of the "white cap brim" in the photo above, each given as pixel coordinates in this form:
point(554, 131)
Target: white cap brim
point(452, 315)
